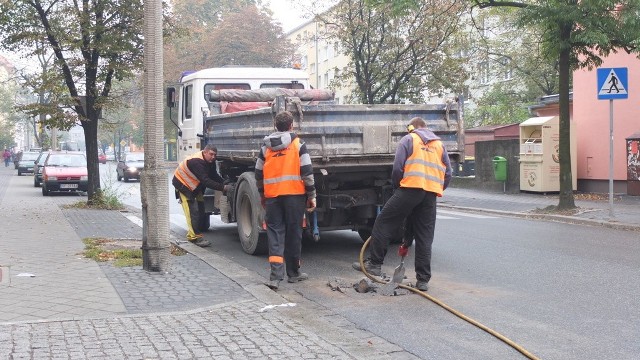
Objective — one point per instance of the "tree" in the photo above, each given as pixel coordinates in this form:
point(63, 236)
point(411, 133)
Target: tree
point(94, 43)
point(236, 41)
point(512, 64)
point(397, 54)
point(194, 21)
point(578, 34)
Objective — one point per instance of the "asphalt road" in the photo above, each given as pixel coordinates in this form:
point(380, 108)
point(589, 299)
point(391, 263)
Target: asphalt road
point(561, 291)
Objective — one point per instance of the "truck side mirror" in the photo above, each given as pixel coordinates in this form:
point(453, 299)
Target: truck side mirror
point(171, 97)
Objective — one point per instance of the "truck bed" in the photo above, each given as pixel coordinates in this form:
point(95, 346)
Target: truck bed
point(337, 136)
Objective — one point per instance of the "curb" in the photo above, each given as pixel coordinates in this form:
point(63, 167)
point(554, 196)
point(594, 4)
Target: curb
point(548, 217)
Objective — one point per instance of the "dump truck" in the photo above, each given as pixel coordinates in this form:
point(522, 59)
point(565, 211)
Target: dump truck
point(352, 148)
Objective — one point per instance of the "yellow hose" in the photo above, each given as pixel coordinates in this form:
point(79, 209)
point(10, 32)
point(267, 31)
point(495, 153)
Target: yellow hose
point(447, 307)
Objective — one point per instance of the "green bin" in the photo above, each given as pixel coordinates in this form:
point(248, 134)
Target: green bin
point(500, 168)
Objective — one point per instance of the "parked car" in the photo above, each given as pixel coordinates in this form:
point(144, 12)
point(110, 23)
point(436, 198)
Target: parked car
point(130, 166)
point(37, 168)
point(64, 171)
point(27, 162)
point(102, 158)
point(111, 156)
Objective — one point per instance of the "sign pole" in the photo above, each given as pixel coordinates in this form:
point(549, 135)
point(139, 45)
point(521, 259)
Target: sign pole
point(611, 158)
point(613, 83)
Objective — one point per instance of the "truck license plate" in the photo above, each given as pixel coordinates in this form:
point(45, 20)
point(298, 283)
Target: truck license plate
point(68, 186)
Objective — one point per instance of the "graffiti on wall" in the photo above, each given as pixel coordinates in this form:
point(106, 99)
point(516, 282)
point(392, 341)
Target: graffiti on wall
point(633, 160)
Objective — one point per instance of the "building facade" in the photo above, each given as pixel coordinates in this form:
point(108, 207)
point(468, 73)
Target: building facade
point(321, 56)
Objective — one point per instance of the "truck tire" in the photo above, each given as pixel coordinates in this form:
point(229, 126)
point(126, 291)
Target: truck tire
point(249, 216)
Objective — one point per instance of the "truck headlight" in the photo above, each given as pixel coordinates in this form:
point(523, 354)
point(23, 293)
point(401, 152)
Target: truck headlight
point(132, 169)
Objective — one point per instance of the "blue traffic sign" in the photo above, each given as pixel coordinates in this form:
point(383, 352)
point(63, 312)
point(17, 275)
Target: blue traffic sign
point(612, 83)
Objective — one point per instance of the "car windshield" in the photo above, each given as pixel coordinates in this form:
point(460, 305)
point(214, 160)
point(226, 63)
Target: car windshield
point(30, 156)
point(41, 158)
point(135, 157)
point(66, 160)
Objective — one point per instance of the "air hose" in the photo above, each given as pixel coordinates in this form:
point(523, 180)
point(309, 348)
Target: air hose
point(447, 307)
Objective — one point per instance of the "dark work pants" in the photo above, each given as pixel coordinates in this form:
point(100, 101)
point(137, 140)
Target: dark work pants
point(284, 230)
point(419, 208)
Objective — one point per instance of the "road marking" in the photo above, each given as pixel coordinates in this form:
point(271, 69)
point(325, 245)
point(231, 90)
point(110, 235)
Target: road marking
point(460, 214)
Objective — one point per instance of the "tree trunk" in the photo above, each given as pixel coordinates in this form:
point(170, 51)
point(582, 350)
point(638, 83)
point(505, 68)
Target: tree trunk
point(154, 185)
point(91, 142)
point(566, 182)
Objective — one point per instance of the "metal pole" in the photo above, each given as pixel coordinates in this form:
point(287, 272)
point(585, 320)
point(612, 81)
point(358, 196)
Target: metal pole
point(611, 158)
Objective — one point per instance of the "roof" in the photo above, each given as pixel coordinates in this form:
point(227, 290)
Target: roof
point(489, 128)
point(237, 73)
point(537, 120)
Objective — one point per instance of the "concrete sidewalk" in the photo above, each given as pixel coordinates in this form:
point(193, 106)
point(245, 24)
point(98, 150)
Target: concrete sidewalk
point(626, 209)
point(56, 304)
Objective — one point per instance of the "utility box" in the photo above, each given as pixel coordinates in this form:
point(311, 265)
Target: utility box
point(500, 168)
point(633, 164)
point(539, 154)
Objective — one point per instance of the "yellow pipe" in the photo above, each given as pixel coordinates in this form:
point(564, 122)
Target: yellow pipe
point(448, 308)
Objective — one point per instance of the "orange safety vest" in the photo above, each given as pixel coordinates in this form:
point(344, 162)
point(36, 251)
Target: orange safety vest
point(282, 171)
point(185, 176)
point(424, 168)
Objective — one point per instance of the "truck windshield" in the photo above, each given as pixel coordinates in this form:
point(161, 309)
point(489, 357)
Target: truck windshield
point(209, 87)
point(291, 85)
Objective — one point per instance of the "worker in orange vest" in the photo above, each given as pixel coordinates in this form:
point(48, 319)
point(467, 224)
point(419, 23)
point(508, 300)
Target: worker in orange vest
point(284, 176)
point(421, 172)
point(190, 179)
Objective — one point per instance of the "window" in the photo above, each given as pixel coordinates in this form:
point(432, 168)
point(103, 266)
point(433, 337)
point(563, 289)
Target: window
point(188, 93)
point(291, 85)
point(507, 70)
point(336, 49)
point(330, 50)
point(325, 53)
point(312, 68)
point(484, 72)
point(303, 62)
point(326, 79)
point(209, 87)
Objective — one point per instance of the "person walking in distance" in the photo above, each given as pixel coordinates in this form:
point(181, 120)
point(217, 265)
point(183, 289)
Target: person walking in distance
point(421, 172)
point(7, 157)
point(284, 176)
point(190, 179)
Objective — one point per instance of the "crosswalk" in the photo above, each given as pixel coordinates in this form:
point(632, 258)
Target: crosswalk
point(179, 220)
point(455, 215)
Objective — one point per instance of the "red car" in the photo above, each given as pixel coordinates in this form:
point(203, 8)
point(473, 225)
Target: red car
point(102, 158)
point(64, 171)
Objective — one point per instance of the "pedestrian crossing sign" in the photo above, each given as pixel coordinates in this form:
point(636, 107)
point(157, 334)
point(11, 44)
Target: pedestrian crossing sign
point(612, 83)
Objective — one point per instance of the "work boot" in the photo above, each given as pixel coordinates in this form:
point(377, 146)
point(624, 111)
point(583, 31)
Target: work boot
point(202, 242)
point(372, 269)
point(273, 284)
point(422, 285)
point(300, 277)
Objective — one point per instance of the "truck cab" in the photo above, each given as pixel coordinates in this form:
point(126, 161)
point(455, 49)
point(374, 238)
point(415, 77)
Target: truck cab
point(191, 96)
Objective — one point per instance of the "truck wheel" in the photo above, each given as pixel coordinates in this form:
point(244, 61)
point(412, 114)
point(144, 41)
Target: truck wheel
point(249, 215)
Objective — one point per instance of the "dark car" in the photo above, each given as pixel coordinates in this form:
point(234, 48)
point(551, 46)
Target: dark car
point(37, 168)
point(64, 171)
point(130, 166)
point(27, 162)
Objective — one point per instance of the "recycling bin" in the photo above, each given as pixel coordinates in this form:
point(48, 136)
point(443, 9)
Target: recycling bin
point(500, 168)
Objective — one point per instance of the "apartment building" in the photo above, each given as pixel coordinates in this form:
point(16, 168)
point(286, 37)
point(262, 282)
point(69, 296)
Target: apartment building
point(322, 57)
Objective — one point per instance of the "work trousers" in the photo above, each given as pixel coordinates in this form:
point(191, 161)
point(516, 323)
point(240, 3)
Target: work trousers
point(284, 231)
point(419, 208)
point(194, 213)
